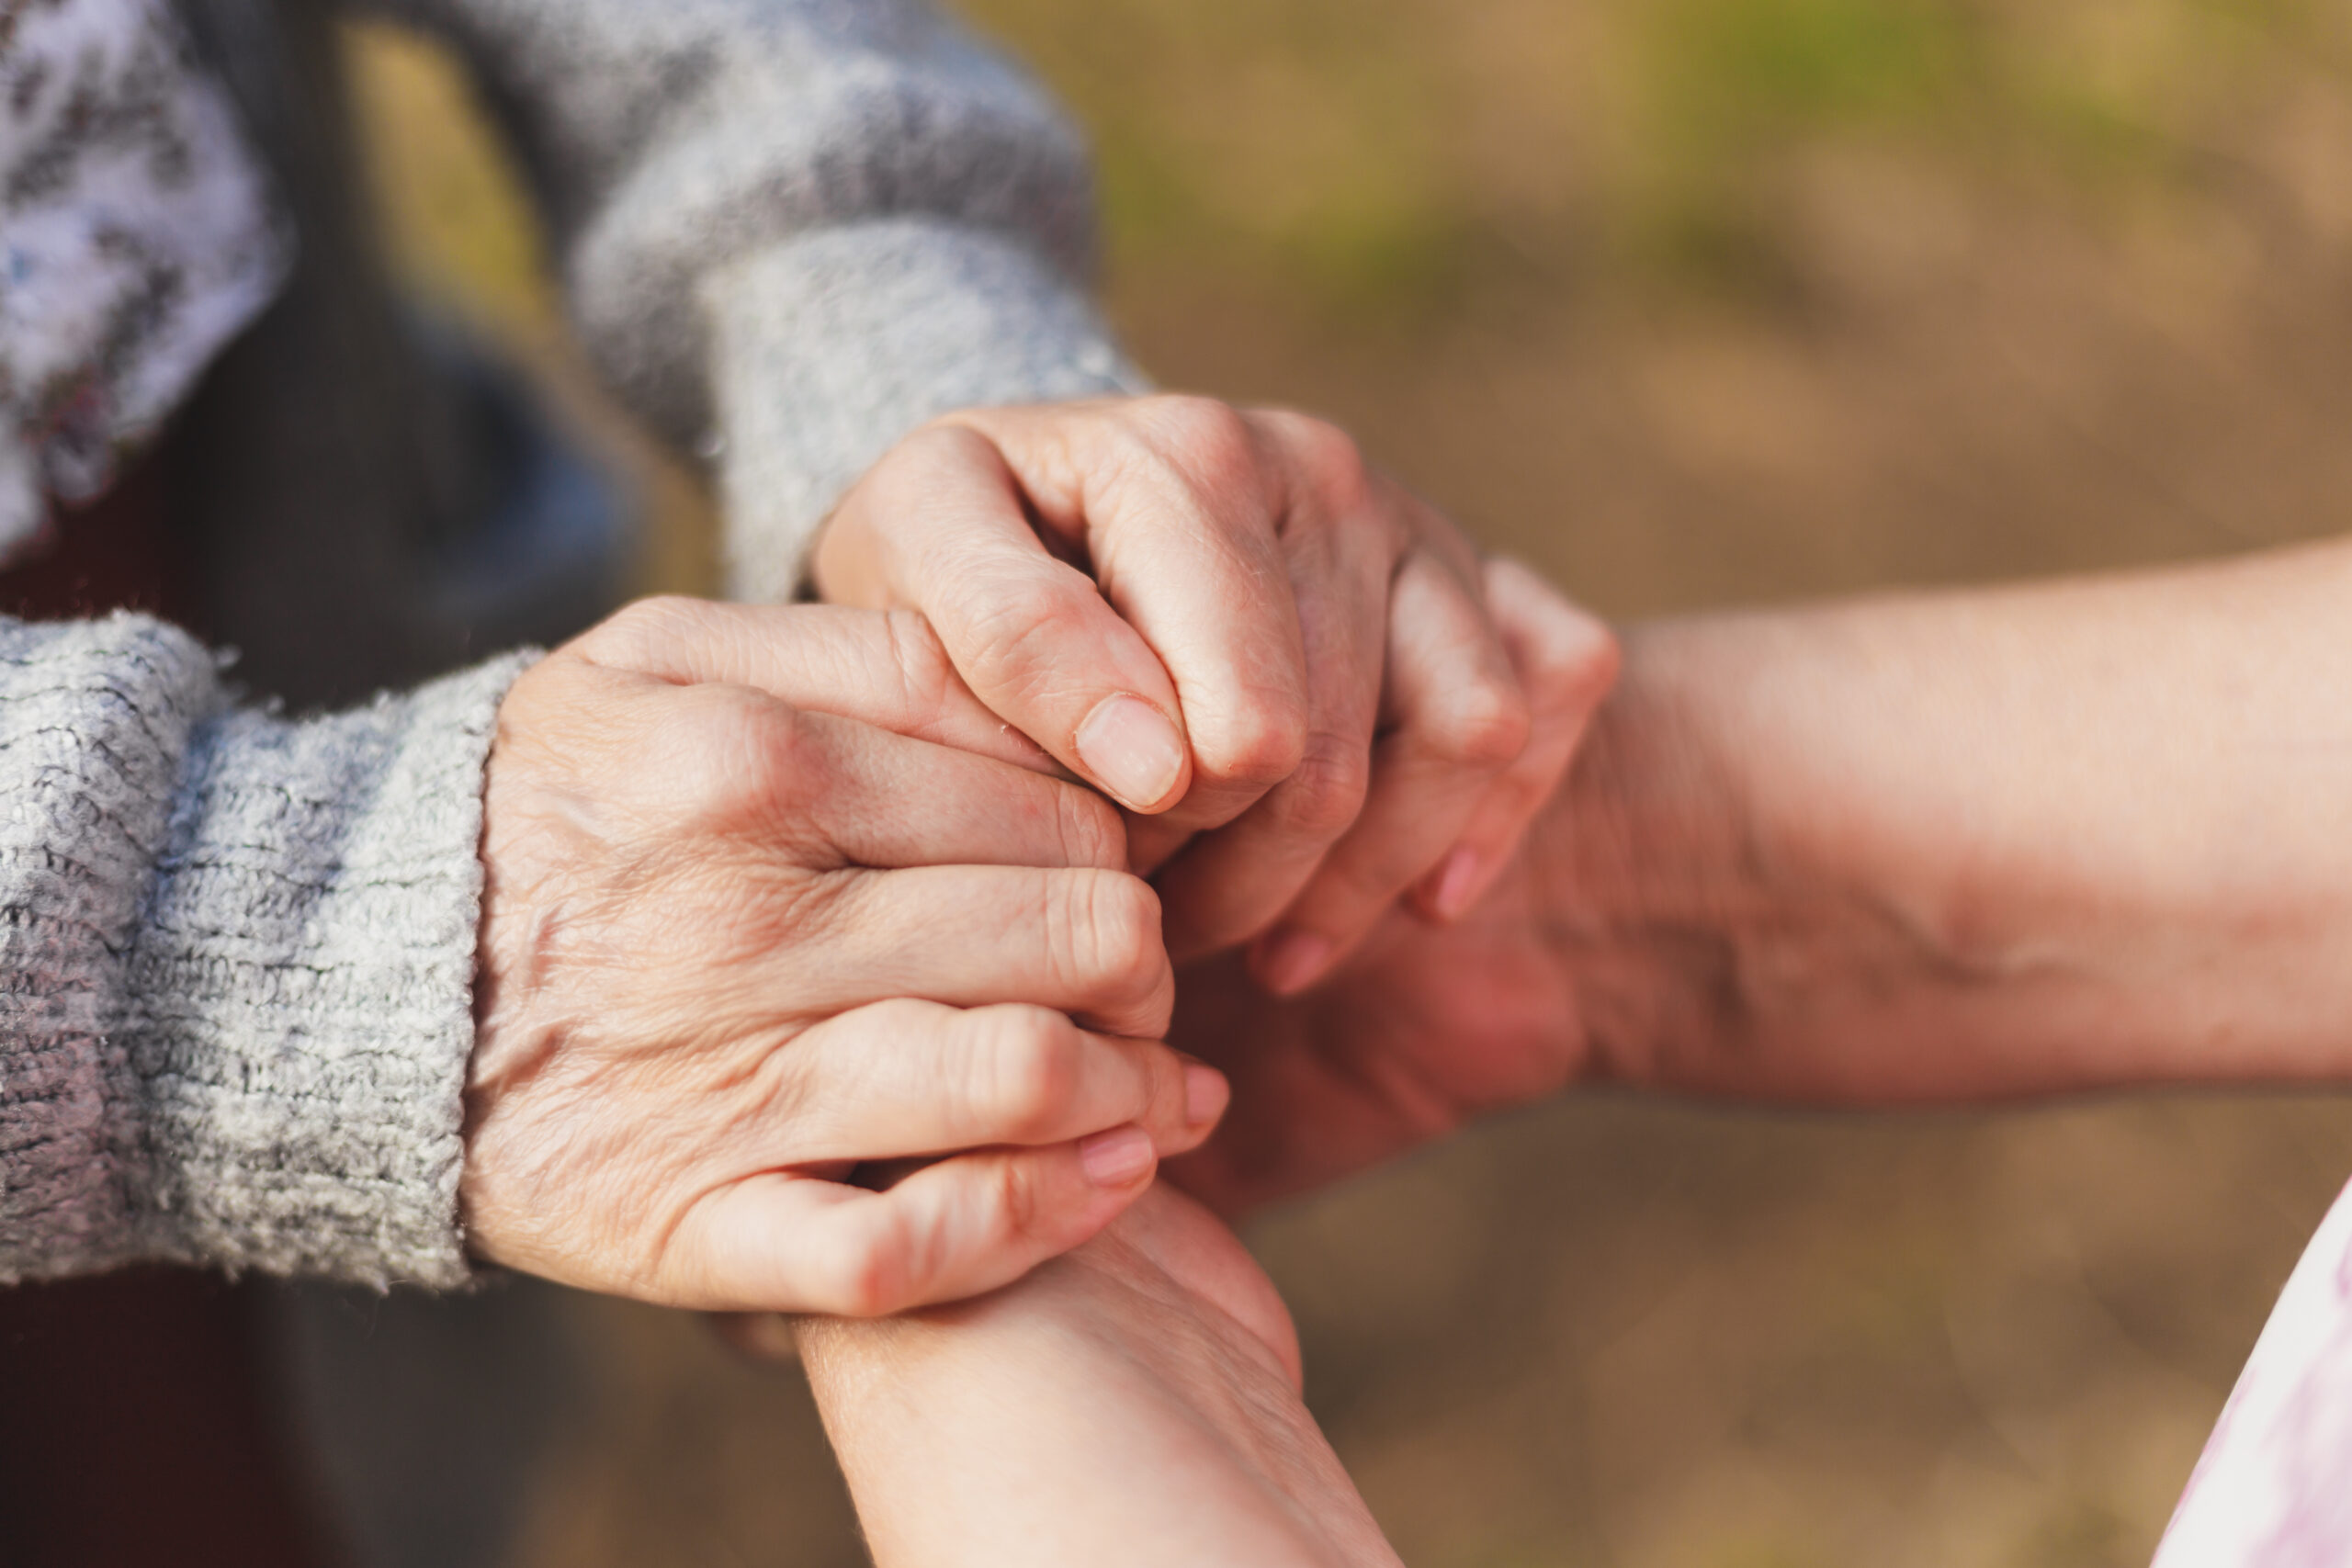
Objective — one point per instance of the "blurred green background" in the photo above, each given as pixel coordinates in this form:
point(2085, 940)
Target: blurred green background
point(1692, 302)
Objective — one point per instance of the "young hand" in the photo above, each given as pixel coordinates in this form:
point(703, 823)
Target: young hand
point(1135, 1402)
point(769, 895)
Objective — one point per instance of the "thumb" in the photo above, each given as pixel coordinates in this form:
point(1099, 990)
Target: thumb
point(940, 526)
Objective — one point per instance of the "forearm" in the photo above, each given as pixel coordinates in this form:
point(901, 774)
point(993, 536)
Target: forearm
point(1972, 844)
point(1102, 1410)
point(793, 230)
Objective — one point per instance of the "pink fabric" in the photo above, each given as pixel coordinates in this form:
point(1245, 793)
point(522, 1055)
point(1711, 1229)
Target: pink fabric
point(2274, 1486)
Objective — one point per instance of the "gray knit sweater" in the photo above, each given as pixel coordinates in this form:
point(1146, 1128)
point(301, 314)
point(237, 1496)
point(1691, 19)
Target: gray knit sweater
point(236, 950)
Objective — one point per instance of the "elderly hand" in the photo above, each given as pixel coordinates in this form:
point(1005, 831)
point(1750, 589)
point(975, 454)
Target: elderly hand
point(1137, 1402)
point(1229, 624)
point(769, 895)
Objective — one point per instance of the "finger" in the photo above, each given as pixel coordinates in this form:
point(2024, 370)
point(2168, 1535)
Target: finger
point(882, 800)
point(1080, 941)
point(1567, 660)
point(901, 1078)
point(1229, 886)
point(884, 668)
point(739, 767)
point(1455, 718)
point(785, 1243)
point(942, 528)
point(1177, 504)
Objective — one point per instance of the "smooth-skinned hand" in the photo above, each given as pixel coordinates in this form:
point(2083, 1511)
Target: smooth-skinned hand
point(1283, 665)
point(1133, 1402)
point(770, 896)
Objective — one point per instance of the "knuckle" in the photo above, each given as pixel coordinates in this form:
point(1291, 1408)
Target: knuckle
point(921, 656)
point(866, 1273)
point(1018, 1200)
point(1028, 1071)
point(1578, 668)
point(943, 458)
point(1091, 831)
point(1324, 794)
point(1205, 430)
point(1126, 924)
point(1014, 618)
point(629, 637)
point(1159, 1083)
point(1112, 925)
point(946, 443)
point(1196, 445)
point(1329, 459)
point(743, 755)
point(1261, 742)
point(926, 675)
point(1566, 655)
point(1487, 725)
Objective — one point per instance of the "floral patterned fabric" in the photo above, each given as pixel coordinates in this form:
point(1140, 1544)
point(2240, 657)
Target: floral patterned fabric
point(137, 236)
point(2274, 1487)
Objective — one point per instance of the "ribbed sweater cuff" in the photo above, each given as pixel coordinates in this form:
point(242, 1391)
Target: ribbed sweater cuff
point(302, 989)
point(828, 349)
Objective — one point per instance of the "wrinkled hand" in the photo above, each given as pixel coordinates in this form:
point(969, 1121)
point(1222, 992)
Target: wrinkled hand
point(770, 895)
point(1229, 624)
point(1431, 1024)
point(1135, 1402)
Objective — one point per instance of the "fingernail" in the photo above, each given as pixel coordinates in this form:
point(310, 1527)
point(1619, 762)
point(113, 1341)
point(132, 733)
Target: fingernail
point(1132, 749)
point(1204, 1095)
point(1293, 960)
point(1119, 1158)
point(1457, 880)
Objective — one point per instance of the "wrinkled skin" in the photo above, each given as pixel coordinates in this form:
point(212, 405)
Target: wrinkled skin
point(770, 897)
point(1294, 674)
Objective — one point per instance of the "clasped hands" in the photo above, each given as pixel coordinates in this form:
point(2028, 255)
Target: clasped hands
point(821, 970)
point(828, 953)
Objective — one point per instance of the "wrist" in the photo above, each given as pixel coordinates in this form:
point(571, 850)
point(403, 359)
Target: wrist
point(1639, 882)
point(1725, 916)
point(304, 969)
point(1759, 876)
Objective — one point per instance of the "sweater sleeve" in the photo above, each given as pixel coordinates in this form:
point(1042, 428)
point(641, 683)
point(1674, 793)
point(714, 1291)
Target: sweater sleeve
point(236, 964)
point(793, 230)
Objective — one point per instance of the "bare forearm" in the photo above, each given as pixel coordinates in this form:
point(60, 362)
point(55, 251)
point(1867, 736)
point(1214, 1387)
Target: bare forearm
point(1134, 1403)
point(1974, 844)
point(1032, 1445)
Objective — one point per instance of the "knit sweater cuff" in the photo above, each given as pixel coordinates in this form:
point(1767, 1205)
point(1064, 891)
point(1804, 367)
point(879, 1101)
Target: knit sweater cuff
point(828, 349)
point(302, 986)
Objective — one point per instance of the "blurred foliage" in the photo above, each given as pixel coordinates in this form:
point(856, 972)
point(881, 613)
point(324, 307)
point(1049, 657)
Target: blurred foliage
point(1355, 148)
point(1304, 136)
